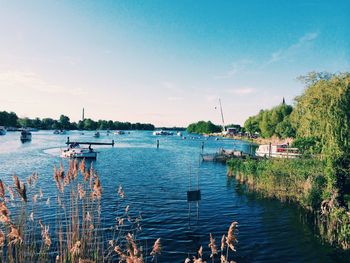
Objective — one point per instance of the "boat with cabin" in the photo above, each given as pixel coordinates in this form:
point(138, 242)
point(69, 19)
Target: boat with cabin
point(26, 136)
point(162, 132)
point(75, 150)
point(277, 151)
point(97, 134)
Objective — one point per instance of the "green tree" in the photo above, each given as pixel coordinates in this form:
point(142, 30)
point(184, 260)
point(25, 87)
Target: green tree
point(322, 112)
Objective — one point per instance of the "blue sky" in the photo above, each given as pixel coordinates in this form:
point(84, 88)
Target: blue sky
point(164, 62)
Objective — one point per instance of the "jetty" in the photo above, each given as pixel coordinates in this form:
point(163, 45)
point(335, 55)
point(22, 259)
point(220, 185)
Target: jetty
point(68, 142)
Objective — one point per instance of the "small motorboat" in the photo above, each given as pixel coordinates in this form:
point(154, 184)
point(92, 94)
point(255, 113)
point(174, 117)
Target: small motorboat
point(75, 151)
point(119, 132)
point(26, 136)
point(161, 132)
point(179, 133)
point(2, 130)
point(97, 135)
point(56, 132)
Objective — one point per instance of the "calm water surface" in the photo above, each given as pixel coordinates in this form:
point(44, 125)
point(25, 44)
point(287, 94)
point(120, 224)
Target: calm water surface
point(156, 181)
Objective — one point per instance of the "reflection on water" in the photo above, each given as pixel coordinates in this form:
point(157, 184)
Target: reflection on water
point(156, 183)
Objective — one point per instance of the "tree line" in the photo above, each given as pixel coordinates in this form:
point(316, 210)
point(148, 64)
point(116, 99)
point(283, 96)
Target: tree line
point(10, 119)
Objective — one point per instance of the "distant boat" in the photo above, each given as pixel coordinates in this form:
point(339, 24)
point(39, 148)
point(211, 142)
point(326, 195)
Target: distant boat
point(59, 132)
point(75, 151)
point(2, 130)
point(119, 132)
point(97, 135)
point(26, 136)
point(179, 133)
point(161, 132)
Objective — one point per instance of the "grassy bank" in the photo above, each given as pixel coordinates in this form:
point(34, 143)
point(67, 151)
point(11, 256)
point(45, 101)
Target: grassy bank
point(301, 181)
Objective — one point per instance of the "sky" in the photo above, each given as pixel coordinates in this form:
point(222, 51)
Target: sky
point(165, 62)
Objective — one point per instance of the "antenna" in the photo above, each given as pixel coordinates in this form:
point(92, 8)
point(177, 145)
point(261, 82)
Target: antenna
point(222, 117)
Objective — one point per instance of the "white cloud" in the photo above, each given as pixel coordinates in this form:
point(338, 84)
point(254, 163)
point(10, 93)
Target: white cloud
point(31, 81)
point(290, 51)
point(236, 67)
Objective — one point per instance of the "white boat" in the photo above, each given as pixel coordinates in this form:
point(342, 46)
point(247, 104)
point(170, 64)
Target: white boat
point(26, 136)
point(179, 133)
point(59, 132)
point(2, 130)
point(97, 134)
point(277, 151)
point(75, 151)
point(119, 132)
point(161, 132)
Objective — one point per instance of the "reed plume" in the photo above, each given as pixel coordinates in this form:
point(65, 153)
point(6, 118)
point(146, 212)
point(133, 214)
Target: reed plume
point(2, 190)
point(14, 236)
point(212, 246)
point(4, 213)
point(157, 248)
point(21, 188)
point(231, 236)
point(2, 238)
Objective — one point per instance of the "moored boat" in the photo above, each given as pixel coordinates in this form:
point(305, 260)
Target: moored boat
point(277, 151)
point(75, 151)
point(2, 130)
point(119, 132)
point(97, 134)
point(161, 132)
point(26, 136)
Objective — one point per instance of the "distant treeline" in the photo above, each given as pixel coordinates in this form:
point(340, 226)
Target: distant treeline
point(10, 119)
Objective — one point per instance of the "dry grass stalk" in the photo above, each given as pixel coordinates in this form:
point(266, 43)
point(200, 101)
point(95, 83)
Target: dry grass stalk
point(14, 236)
point(2, 238)
point(2, 190)
point(231, 236)
point(212, 246)
point(75, 250)
point(21, 188)
point(97, 189)
point(157, 248)
point(4, 213)
point(45, 234)
point(200, 252)
point(121, 192)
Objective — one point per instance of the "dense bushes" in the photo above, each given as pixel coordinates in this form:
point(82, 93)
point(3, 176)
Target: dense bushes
point(202, 127)
point(301, 181)
point(274, 122)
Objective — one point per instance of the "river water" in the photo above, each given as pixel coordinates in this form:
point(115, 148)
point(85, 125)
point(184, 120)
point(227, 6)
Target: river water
point(156, 182)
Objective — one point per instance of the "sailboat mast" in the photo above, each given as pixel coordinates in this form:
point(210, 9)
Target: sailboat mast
point(222, 117)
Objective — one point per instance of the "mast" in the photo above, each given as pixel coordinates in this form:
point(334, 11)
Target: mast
point(222, 117)
point(83, 117)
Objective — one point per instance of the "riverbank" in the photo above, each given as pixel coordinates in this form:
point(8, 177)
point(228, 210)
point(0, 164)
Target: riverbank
point(300, 181)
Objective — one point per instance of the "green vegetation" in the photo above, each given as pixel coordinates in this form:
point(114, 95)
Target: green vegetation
point(10, 119)
point(202, 127)
point(273, 122)
point(320, 121)
point(301, 181)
